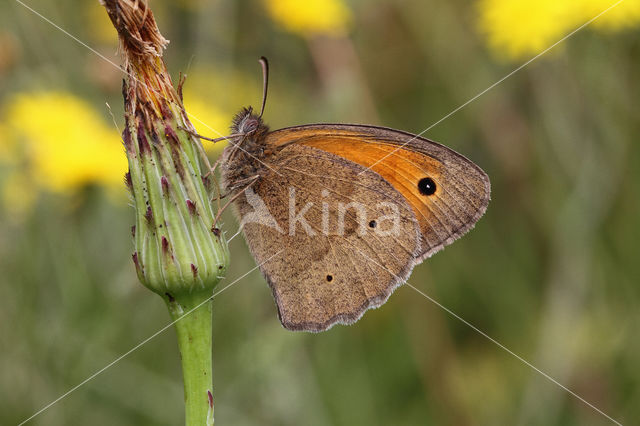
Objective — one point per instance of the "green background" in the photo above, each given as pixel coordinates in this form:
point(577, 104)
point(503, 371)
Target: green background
point(551, 271)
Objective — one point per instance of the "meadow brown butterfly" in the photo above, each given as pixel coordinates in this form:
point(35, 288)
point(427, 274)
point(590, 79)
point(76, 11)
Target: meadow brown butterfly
point(348, 209)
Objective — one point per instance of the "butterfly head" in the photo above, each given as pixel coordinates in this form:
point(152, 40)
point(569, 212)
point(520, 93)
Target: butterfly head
point(246, 122)
point(249, 124)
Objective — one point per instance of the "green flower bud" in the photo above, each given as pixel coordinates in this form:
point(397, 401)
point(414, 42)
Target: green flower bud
point(178, 249)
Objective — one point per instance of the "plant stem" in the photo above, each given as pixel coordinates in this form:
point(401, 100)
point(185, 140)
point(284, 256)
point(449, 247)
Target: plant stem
point(194, 342)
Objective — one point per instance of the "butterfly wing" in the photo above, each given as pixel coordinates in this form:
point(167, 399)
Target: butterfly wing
point(461, 189)
point(333, 238)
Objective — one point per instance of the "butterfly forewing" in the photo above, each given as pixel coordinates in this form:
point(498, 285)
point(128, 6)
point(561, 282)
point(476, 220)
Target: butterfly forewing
point(447, 192)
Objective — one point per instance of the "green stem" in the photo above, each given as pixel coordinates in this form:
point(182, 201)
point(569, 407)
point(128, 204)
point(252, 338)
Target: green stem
point(194, 341)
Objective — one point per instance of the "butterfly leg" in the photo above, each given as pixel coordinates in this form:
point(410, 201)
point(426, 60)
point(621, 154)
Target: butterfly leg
point(214, 140)
point(201, 149)
point(214, 167)
point(251, 180)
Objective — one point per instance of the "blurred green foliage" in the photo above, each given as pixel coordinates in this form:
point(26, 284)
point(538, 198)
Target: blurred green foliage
point(551, 271)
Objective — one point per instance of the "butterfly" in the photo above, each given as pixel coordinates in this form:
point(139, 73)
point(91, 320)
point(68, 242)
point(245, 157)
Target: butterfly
point(337, 215)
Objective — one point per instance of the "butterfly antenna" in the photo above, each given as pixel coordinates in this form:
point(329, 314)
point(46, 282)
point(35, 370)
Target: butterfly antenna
point(265, 82)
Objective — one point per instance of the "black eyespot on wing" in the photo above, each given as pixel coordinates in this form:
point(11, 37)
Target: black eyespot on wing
point(427, 186)
point(372, 224)
point(329, 278)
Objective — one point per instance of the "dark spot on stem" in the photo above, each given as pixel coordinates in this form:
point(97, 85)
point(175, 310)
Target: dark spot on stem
point(134, 256)
point(154, 137)
point(171, 135)
point(165, 185)
point(194, 270)
point(149, 215)
point(164, 107)
point(192, 207)
point(127, 181)
point(126, 138)
point(143, 143)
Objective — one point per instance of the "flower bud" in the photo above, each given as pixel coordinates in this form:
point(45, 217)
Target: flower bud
point(176, 250)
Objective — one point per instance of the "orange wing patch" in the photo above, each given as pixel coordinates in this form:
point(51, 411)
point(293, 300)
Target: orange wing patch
point(401, 168)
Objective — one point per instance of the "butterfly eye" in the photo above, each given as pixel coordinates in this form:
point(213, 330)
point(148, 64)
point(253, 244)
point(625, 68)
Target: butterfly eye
point(329, 278)
point(427, 186)
point(250, 126)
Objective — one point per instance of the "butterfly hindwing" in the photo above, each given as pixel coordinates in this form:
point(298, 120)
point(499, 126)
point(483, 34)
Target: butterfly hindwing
point(325, 273)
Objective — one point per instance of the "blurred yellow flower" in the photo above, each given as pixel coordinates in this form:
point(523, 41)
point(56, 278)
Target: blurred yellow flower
point(520, 28)
point(208, 119)
point(213, 96)
point(311, 17)
point(64, 141)
point(623, 16)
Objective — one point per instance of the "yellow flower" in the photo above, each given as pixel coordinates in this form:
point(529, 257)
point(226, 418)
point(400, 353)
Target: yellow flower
point(311, 17)
point(213, 97)
point(623, 16)
point(64, 141)
point(521, 28)
point(208, 119)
